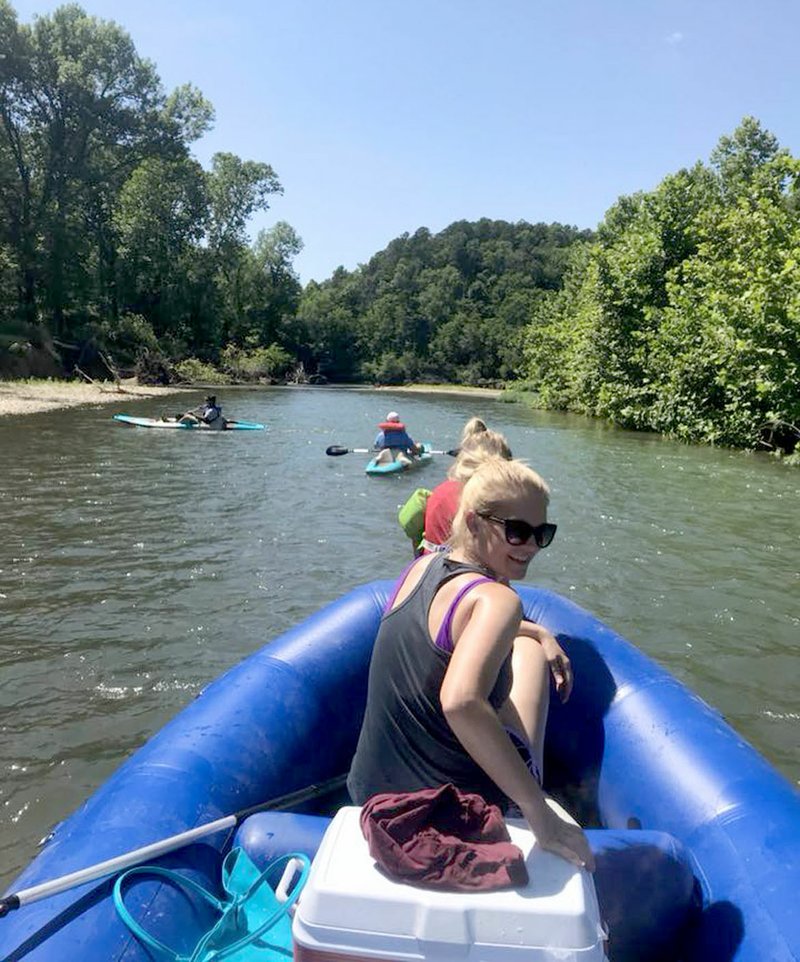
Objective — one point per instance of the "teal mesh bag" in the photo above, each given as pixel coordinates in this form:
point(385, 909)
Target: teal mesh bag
point(254, 924)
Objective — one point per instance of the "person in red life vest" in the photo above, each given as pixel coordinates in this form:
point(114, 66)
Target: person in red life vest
point(441, 506)
point(392, 434)
point(447, 681)
point(412, 515)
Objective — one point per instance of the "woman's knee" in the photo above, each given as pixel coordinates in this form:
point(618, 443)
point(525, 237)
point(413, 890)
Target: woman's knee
point(528, 660)
point(529, 699)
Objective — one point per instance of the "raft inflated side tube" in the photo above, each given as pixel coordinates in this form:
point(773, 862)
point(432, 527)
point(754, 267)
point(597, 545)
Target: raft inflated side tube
point(651, 754)
point(253, 734)
point(266, 836)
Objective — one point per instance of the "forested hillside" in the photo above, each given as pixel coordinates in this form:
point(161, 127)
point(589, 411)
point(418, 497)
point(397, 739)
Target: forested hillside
point(120, 254)
point(446, 307)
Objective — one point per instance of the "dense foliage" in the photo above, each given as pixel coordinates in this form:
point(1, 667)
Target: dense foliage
point(119, 252)
point(684, 315)
point(445, 307)
point(114, 242)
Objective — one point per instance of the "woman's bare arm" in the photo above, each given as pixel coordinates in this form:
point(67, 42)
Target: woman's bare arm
point(490, 624)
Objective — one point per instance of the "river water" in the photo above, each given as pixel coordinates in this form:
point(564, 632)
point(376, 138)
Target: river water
point(136, 565)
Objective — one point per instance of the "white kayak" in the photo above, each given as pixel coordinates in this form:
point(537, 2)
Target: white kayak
point(186, 426)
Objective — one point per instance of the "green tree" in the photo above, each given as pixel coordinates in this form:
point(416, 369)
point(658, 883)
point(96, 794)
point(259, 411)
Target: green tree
point(79, 110)
point(729, 349)
point(326, 316)
point(683, 315)
point(159, 219)
point(738, 158)
point(236, 189)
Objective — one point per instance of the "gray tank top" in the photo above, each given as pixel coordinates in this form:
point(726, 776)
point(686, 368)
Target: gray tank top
point(406, 743)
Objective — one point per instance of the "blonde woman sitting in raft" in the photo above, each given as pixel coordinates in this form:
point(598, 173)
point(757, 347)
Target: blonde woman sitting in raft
point(440, 508)
point(442, 693)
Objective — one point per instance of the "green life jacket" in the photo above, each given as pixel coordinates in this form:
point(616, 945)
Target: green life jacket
point(412, 516)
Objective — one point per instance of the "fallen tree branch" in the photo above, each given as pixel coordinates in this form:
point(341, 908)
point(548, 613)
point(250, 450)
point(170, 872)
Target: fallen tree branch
point(118, 389)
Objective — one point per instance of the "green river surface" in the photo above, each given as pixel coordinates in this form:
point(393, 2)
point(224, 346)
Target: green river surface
point(137, 565)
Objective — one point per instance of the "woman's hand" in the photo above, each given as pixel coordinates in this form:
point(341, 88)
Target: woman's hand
point(560, 837)
point(558, 662)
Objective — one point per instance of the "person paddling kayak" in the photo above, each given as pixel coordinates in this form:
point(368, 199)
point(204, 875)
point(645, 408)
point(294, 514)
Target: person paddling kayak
point(208, 413)
point(392, 434)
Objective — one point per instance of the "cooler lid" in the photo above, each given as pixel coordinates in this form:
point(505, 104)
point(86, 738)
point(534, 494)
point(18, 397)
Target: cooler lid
point(348, 904)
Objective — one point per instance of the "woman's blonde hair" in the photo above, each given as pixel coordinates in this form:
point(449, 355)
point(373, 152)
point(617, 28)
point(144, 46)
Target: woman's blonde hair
point(475, 450)
point(493, 483)
point(471, 428)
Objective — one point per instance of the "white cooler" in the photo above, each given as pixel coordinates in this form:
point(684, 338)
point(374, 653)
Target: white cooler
point(350, 911)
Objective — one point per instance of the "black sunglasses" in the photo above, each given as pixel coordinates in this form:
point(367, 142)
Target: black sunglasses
point(520, 532)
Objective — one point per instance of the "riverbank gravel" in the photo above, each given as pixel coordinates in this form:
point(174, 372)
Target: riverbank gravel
point(29, 397)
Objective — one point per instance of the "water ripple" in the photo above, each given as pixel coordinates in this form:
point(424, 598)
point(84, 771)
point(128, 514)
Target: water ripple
point(135, 566)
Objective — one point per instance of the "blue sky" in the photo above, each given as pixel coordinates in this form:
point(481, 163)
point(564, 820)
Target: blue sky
point(382, 116)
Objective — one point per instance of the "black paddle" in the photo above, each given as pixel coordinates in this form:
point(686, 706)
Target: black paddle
point(336, 451)
point(112, 865)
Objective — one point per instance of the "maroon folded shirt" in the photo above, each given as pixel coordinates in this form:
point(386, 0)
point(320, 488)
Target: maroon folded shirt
point(442, 838)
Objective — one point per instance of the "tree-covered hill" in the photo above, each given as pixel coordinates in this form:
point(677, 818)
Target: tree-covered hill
point(446, 307)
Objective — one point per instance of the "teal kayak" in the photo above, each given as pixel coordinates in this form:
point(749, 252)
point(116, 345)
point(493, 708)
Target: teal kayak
point(390, 461)
point(175, 423)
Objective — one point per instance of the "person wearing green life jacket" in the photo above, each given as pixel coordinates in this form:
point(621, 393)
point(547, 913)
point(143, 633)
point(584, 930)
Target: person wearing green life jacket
point(426, 516)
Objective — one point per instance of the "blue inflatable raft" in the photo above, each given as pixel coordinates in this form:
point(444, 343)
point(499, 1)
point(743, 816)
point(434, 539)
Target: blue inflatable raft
point(634, 755)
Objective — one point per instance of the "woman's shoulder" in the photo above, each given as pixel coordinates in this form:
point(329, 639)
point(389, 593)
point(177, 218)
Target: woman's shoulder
point(413, 575)
point(498, 593)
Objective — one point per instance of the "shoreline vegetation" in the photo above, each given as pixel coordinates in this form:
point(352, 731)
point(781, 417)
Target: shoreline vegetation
point(33, 395)
point(123, 256)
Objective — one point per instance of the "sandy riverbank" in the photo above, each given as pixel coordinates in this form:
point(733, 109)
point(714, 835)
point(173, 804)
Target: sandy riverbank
point(444, 389)
point(28, 397)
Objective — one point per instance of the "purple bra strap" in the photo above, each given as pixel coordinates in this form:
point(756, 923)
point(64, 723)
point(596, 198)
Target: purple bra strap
point(444, 640)
point(399, 585)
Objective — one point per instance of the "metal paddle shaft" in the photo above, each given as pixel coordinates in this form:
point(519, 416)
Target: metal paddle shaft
point(112, 865)
point(336, 451)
